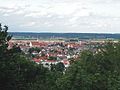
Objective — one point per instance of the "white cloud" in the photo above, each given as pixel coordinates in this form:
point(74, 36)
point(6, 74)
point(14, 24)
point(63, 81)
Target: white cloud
point(28, 24)
point(6, 15)
point(19, 12)
point(80, 15)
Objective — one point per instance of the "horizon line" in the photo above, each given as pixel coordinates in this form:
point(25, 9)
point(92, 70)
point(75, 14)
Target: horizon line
point(66, 32)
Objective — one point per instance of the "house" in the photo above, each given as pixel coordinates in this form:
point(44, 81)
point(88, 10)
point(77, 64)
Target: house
point(34, 44)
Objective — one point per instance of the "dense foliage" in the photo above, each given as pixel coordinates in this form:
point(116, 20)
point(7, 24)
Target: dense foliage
point(17, 72)
point(98, 70)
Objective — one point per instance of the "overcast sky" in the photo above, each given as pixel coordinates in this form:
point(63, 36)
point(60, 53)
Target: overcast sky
point(83, 16)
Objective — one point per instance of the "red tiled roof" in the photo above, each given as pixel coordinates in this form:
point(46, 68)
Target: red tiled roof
point(35, 43)
point(66, 62)
point(36, 60)
point(38, 44)
point(50, 61)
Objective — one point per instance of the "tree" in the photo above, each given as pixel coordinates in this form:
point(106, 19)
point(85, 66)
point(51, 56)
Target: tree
point(12, 64)
point(98, 70)
point(60, 67)
point(17, 72)
point(34, 49)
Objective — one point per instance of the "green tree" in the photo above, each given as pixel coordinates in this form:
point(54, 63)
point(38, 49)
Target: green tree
point(98, 70)
point(34, 49)
point(17, 72)
point(60, 67)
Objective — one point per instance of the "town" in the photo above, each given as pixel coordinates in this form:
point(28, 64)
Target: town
point(53, 52)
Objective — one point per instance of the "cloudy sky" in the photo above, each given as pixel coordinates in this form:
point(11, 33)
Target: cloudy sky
point(83, 16)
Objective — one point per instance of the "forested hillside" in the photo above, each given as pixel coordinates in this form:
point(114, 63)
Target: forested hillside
point(64, 35)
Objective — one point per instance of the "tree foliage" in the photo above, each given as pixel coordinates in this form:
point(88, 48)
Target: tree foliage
point(17, 72)
point(98, 70)
point(34, 49)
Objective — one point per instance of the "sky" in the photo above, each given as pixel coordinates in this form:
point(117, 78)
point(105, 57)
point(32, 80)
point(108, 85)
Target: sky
point(62, 16)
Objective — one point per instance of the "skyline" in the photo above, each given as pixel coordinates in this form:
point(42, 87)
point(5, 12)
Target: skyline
point(64, 16)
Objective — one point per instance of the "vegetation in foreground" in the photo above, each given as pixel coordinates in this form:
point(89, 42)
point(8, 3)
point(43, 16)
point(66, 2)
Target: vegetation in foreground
point(98, 70)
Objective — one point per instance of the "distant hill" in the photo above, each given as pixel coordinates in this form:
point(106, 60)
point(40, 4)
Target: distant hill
point(64, 35)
